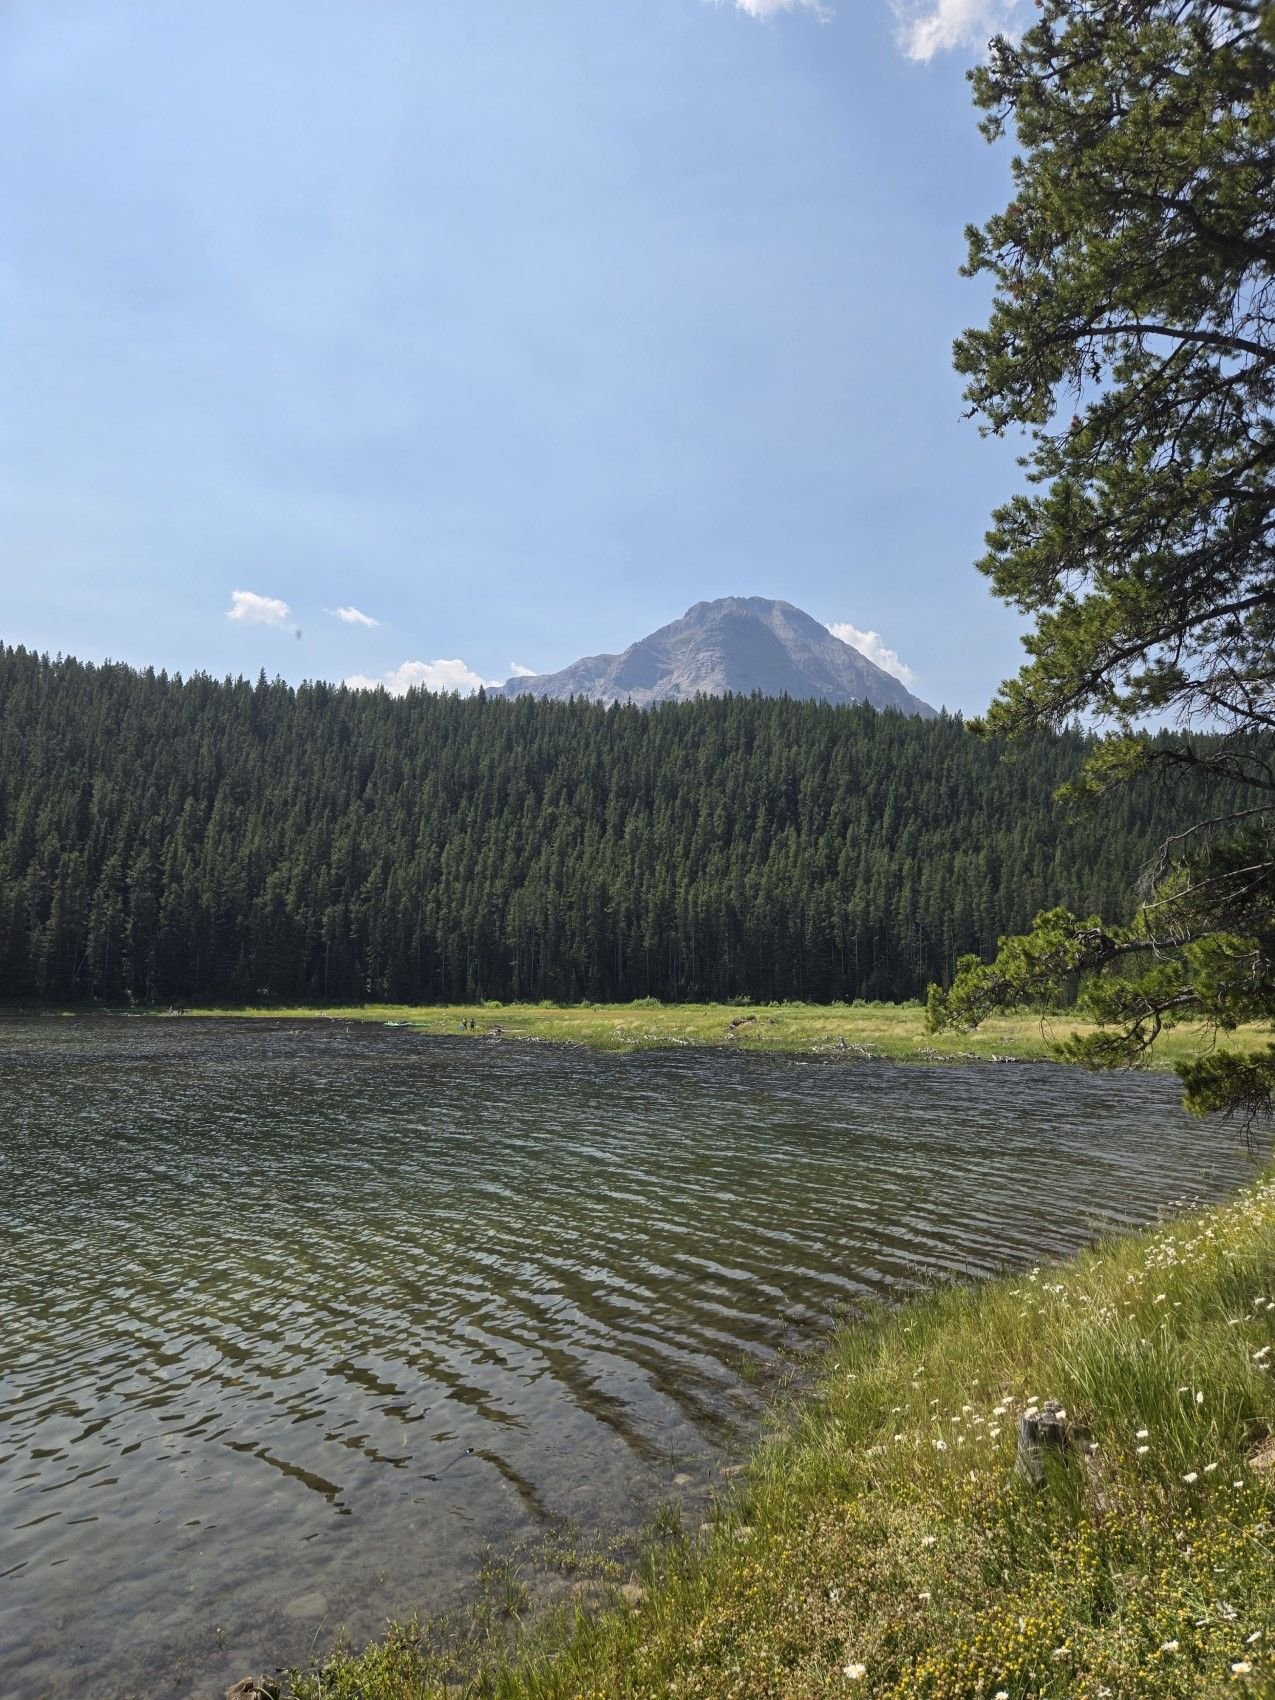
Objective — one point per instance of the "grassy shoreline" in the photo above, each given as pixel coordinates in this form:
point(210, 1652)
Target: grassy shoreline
point(881, 1544)
point(892, 1031)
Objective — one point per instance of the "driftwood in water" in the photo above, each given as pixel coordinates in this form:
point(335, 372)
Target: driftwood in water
point(1047, 1430)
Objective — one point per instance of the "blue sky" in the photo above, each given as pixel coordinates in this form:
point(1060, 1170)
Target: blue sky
point(515, 327)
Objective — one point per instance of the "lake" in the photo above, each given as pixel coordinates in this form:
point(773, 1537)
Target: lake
point(297, 1316)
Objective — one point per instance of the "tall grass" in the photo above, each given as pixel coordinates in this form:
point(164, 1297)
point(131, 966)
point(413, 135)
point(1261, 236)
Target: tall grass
point(883, 1545)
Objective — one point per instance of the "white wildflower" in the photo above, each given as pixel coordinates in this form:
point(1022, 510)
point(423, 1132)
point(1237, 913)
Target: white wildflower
point(1191, 1476)
point(856, 1673)
point(1168, 1646)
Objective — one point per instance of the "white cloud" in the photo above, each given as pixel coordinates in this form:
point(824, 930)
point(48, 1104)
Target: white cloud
point(424, 675)
point(771, 8)
point(249, 609)
point(946, 24)
point(518, 671)
point(871, 645)
point(355, 617)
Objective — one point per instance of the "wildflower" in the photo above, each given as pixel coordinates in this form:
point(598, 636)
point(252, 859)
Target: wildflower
point(856, 1673)
point(1060, 1652)
point(1241, 1667)
point(1191, 1476)
point(1255, 1636)
point(834, 1594)
point(1143, 1433)
point(1001, 1694)
point(926, 1595)
point(928, 1540)
point(1199, 1398)
point(1142, 1450)
point(1261, 1353)
point(1209, 1469)
point(1168, 1646)
point(940, 1446)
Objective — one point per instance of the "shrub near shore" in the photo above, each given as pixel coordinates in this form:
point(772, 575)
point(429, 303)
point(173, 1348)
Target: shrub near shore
point(883, 1545)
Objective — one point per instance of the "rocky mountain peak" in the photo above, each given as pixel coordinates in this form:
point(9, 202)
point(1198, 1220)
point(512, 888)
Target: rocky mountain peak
point(740, 644)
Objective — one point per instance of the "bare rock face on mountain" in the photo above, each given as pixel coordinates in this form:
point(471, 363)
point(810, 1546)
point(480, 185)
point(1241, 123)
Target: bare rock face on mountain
point(739, 643)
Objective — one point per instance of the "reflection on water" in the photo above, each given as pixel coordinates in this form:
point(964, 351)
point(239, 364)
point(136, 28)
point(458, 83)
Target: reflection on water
point(296, 1316)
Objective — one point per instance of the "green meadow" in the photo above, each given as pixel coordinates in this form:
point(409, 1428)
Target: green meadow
point(894, 1031)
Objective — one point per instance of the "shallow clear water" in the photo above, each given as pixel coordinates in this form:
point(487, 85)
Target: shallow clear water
point(296, 1316)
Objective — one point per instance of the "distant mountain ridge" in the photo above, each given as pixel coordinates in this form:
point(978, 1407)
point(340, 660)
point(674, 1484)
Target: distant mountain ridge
point(738, 644)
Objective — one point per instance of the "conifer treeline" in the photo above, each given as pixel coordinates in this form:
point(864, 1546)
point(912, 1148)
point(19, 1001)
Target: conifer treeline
point(170, 840)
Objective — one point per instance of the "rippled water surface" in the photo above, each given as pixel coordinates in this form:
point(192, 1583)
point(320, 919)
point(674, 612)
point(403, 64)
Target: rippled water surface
point(294, 1317)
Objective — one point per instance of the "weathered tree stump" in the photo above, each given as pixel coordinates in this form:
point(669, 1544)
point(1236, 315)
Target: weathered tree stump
point(1047, 1430)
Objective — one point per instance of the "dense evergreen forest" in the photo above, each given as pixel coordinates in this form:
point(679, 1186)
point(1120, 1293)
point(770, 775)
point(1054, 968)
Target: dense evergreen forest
point(168, 839)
